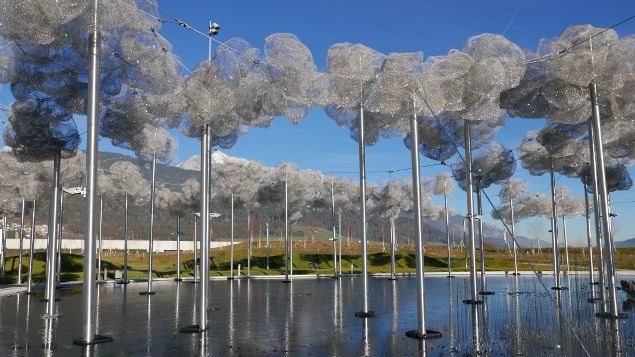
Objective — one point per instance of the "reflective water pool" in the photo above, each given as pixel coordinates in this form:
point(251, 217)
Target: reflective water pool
point(316, 317)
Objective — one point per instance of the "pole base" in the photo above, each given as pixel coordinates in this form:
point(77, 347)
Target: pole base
point(178, 279)
point(365, 314)
point(472, 302)
point(515, 274)
point(286, 280)
point(609, 316)
point(95, 341)
point(193, 281)
point(30, 292)
point(450, 276)
point(192, 329)
point(148, 293)
point(486, 293)
point(594, 283)
point(335, 277)
point(46, 300)
point(560, 288)
point(122, 282)
point(231, 278)
point(423, 336)
point(393, 278)
point(51, 316)
point(594, 300)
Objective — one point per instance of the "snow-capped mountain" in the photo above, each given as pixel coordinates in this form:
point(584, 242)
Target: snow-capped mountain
point(218, 158)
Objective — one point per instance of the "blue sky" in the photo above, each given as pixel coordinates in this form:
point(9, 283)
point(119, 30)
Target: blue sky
point(433, 27)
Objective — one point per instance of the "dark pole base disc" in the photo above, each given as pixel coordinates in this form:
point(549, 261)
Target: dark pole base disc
point(594, 300)
point(178, 279)
point(96, 340)
point(515, 274)
point(122, 282)
point(231, 278)
point(486, 293)
point(559, 288)
point(191, 329)
point(335, 277)
point(472, 302)
point(393, 278)
point(286, 280)
point(609, 316)
point(193, 281)
point(46, 300)
point(365, 314)
point(594, 283)
point(147, 293)
point(423, 336)
point(450, 276)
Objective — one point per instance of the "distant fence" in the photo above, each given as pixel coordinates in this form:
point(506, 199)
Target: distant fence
point(115, 244)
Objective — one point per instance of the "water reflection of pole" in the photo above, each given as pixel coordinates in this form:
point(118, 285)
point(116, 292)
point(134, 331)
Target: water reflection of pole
point(604, 207)
point(21, 243)
point(554, 233)
point(470, 212)
point(392, 249)
point(421, 331)
point(151, 239)
point(51, 257)
point(29, 289)
point(517, 314)
point(476, 331)
point(88, 307)
point(515, 245)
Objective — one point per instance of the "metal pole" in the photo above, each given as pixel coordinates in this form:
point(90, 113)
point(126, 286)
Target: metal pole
point(178, 248)
point(151, 238)
point(470, 213)
point(392, 249)
point(333, 226)
point(101, 213)
point(89, 307)
point(267, 224)
point(421, 331)
point(195, 248)
point(21, 245)
point(248, 243)
point(479, 205)
point(204, 255)
point(604, 207)
point(231, 249)
point(511, 207)
point(598, 222)
point(339, 238)
point(29, 289)
point(286, 229)
point(566, 244)
point(362, 205)
point(554, 234)
point(59, 239)
point(447, 235)
point(125, 238)
point(3, 258)
point(587, 218)
point(51, 256)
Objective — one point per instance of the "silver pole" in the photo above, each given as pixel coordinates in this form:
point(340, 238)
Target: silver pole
point(101, 213)
point(29, 289)
point(479, 205)
point(231, 249)
point(604, 206)
point(362, 205)
point(511, 207)
point(204, 255)
point(554, 233)
point(59, 239)
point(151, 238)
point(447, 235)
point(566, 243)
point(392, 249)
point(89, 307)
point(195, 248)
point(470, 213)
point(333, 226)
point(3, 257)
point(598, 222)
point(339, 238)
point(421, 331)
point(51, 256)
point(587, 218)
point(125, 238)
point(286, 229)
point(21, 244)
point(267, 224)
point(248, 242)
point(178, 248)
